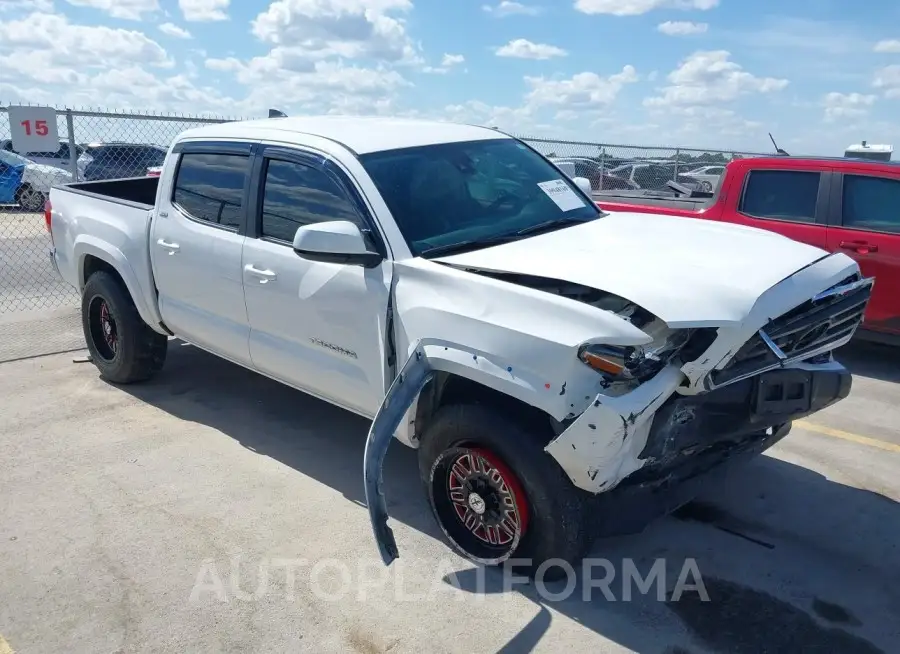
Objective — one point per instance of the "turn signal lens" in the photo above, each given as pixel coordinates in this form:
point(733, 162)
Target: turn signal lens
point(605, 359)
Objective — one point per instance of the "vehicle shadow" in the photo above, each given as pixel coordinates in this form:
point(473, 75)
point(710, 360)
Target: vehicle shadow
point(790, 560)
point(871, 359)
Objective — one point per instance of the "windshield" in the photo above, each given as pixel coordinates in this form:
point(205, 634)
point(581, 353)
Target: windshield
point(13, 159)
point(473, 192)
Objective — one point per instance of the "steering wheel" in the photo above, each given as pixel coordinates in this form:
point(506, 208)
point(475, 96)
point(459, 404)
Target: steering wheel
point(515, 202)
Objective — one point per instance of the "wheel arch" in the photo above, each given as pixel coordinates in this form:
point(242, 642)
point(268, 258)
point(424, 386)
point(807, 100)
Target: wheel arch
point(93, 257)
point(446, 388)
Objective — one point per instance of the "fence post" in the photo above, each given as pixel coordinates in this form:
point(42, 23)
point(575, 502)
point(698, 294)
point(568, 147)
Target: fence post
point(73, 151)
point(602, 166)
point(677, 157)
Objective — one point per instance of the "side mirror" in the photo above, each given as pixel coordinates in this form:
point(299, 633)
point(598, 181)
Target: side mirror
point(335, 241)
point(584, 184)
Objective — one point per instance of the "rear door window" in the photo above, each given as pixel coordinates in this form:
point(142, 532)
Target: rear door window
point(871, 203)
point(781, 195)
point(210, 187)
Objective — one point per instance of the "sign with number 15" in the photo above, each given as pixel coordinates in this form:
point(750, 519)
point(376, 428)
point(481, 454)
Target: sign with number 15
point(33, 129)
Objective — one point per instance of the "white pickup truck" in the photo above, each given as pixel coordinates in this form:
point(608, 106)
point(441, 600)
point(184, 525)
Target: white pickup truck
point(564, 373)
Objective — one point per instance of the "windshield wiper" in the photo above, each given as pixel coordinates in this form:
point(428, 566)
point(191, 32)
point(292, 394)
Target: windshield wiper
point(548, 225)
point(466, 246)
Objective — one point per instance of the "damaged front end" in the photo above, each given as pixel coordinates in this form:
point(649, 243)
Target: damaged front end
point(660, 417)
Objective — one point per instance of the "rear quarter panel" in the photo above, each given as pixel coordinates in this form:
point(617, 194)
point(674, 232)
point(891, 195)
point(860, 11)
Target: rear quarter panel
point(116, 232)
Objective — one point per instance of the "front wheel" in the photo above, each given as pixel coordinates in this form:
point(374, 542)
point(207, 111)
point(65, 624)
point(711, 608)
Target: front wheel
point(29, 198)
point(497, 495)
point(122, 346)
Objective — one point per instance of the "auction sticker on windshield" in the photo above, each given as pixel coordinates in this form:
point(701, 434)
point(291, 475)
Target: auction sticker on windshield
point(561, 194)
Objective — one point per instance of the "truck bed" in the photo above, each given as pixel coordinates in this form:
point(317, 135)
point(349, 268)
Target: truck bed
point(117, 212)
point(131, 190)
point(661, 199)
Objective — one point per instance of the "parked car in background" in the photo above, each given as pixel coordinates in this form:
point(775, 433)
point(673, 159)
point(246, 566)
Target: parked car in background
point(837, 204)
point(117, 160)
point(651, 175)
point(59, 158)
point(552, 364)
point(707, 176)
point(593, 171)
point(154, 171)
point(27, 183)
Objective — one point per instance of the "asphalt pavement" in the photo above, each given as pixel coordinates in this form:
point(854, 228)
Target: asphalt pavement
point(213, 510)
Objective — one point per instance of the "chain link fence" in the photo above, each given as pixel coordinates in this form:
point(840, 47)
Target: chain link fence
point(38, 311)
point(634, 167)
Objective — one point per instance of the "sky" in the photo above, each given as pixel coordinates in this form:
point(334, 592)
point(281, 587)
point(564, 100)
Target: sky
point(818, 74)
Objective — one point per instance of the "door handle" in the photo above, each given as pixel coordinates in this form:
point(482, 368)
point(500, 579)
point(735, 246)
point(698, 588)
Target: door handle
point(171, 247)
point(860, 247)
point(264, 276)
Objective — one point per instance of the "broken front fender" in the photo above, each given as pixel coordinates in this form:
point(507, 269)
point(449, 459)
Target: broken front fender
point(407, 386)
point(602, 447)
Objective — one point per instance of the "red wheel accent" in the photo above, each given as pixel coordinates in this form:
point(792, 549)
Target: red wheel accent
point(108, 325)
point(487, 497)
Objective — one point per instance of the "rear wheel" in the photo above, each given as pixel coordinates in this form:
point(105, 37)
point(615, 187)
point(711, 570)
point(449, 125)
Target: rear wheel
point(497, 495)
point(122, 346)
point(29, 198)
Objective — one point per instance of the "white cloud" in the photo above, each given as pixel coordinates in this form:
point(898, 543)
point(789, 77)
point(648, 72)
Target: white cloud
point(702, 122)
point(638, 7)
point(47, 59)
point(512, 119)
point(25, 6)
point(888, 79)
point(173, 30)
point(127, 9)
point(510, 8)
point(708, 77)
point(525, 49)
point(204, 10)
point(583, 90)
point(447, 63)
point(846, 105)
point(682, 28)
point(890, 45)
point(343, 28)
point(313, 86)
point(50, 41)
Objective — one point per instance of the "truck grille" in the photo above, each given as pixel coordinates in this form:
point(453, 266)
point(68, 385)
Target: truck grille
point(814, 327)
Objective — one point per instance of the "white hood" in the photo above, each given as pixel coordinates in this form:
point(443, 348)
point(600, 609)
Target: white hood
point(686, 271)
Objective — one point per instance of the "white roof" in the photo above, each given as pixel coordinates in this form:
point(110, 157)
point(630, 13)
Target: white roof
point(869, 147)
point(360, 134)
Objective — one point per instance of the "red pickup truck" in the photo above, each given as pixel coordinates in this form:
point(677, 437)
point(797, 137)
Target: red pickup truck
point(847, 205)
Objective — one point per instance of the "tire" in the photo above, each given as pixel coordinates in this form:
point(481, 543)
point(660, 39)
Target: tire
point(546, 517)
point(122, 346)
point(30, 199)
point(706, 186)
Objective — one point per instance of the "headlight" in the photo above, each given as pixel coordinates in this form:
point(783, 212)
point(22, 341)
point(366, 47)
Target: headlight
point(624, 363)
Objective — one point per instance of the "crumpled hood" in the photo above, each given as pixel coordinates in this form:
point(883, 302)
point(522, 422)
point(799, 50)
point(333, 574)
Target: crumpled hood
point(686, 271)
